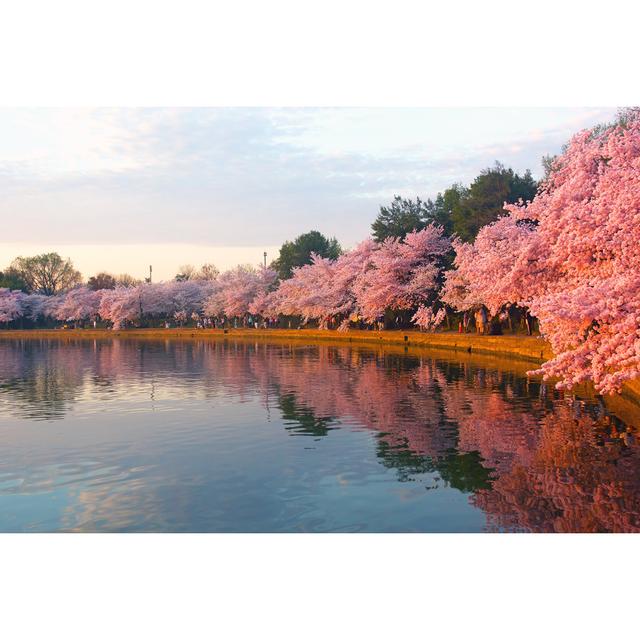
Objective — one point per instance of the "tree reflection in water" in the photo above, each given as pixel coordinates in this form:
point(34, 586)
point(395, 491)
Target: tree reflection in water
point(531, 458)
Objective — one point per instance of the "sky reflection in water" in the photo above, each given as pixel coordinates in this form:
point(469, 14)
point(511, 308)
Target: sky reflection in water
point(125, 435)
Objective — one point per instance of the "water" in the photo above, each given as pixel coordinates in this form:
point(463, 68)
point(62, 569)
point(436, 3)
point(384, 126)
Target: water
point(125, 435)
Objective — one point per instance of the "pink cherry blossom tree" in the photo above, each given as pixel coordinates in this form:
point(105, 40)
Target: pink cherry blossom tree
point(264, 305)
point(235, 290)
point(493, 271)
point(349, 268)
point(34, 306)
point(583, 258)
point(426, 319)
point(77, 305)
point(120, 305)
point(11, 305)
point(308, 292)
point(403, 273)
point(321, 291)
point(184, 299)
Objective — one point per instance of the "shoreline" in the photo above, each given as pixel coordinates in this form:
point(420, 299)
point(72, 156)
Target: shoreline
point(529, 348)
point(524, 348)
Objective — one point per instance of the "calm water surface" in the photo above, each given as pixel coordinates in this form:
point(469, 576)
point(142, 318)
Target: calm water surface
point(125, 435)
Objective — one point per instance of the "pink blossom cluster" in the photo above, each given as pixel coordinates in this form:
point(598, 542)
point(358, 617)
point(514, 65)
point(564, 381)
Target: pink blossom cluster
point(234, 291)
point(494, 270)
point(572, 258)
point(426, 319)
point(10, 305)
point(363, 283)
point(403, 274)
point(230, 295)
point(16, 304)
point(174, 300)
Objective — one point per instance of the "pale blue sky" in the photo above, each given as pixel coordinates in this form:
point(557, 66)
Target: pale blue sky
point(185, 185)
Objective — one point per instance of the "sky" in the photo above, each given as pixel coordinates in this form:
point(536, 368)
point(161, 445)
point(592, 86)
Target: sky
point(119, 189)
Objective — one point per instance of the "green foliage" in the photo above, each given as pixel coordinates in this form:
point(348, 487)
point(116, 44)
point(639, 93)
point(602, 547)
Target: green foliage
point(402, 217)
point(400, 457)
point(445, 204)
point(302, 420)
point(483, 202)
point(464, 471)
point(298, 253)
point(47, 273)
point(10, 279)
point(459, 210)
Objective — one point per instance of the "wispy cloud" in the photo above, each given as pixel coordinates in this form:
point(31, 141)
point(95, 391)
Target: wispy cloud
point(247, 176)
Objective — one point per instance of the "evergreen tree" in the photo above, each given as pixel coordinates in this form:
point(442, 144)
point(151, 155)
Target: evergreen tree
point(483, 202)
point(298, 252)
point(401, 217)
point(10, 279)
